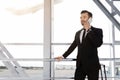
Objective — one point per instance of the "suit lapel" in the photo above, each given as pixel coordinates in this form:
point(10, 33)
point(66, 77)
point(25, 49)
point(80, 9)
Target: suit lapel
point(88, 32)
point(78, 36)
point(79, 33)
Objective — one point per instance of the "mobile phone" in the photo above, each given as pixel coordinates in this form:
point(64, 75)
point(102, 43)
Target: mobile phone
point(90, 20)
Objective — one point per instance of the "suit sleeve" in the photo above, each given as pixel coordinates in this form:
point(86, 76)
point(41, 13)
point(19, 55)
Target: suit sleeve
point(70, 49)
point(96, 37)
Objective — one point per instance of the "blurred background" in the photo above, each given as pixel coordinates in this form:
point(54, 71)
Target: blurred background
point(35, 30)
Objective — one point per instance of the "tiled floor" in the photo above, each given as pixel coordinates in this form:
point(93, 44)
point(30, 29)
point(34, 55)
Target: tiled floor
point(37, 74)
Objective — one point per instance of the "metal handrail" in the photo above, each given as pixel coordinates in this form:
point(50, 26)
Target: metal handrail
point(38, 78)
point(53, 59)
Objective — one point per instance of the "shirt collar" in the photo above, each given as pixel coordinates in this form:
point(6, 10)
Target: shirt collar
point(88, 29)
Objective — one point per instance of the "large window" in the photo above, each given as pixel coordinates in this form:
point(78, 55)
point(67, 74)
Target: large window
point(21, 32)
point(22, 28)
point(67, 20)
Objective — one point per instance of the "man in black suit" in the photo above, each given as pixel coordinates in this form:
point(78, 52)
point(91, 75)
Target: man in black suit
point(88, 39)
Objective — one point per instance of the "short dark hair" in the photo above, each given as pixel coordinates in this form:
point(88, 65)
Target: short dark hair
point(85, 11)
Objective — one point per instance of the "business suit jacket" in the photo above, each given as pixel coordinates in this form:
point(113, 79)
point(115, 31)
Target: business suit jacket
point(87, 50)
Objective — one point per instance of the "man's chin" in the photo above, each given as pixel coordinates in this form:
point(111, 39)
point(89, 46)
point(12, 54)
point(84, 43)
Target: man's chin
point(83, 24)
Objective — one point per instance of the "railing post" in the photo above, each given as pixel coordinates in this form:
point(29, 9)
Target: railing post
point(47, 37)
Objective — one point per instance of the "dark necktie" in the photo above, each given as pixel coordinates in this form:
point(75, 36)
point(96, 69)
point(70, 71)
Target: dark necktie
point(83, 35)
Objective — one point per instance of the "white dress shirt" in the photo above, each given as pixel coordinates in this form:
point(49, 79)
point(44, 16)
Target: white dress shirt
point(81, 34)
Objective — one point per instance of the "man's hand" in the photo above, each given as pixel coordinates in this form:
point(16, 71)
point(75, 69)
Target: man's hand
point(59, 58)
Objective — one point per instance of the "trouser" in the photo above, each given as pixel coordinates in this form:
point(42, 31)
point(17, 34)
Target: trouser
point(91, 73)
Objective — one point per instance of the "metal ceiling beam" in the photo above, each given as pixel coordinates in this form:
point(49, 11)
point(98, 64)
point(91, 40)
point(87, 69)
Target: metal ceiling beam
point(115, 0)
point(107, 13)
point(113, 7)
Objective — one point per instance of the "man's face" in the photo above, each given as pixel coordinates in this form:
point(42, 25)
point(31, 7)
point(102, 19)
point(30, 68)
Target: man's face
point(84, 18)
